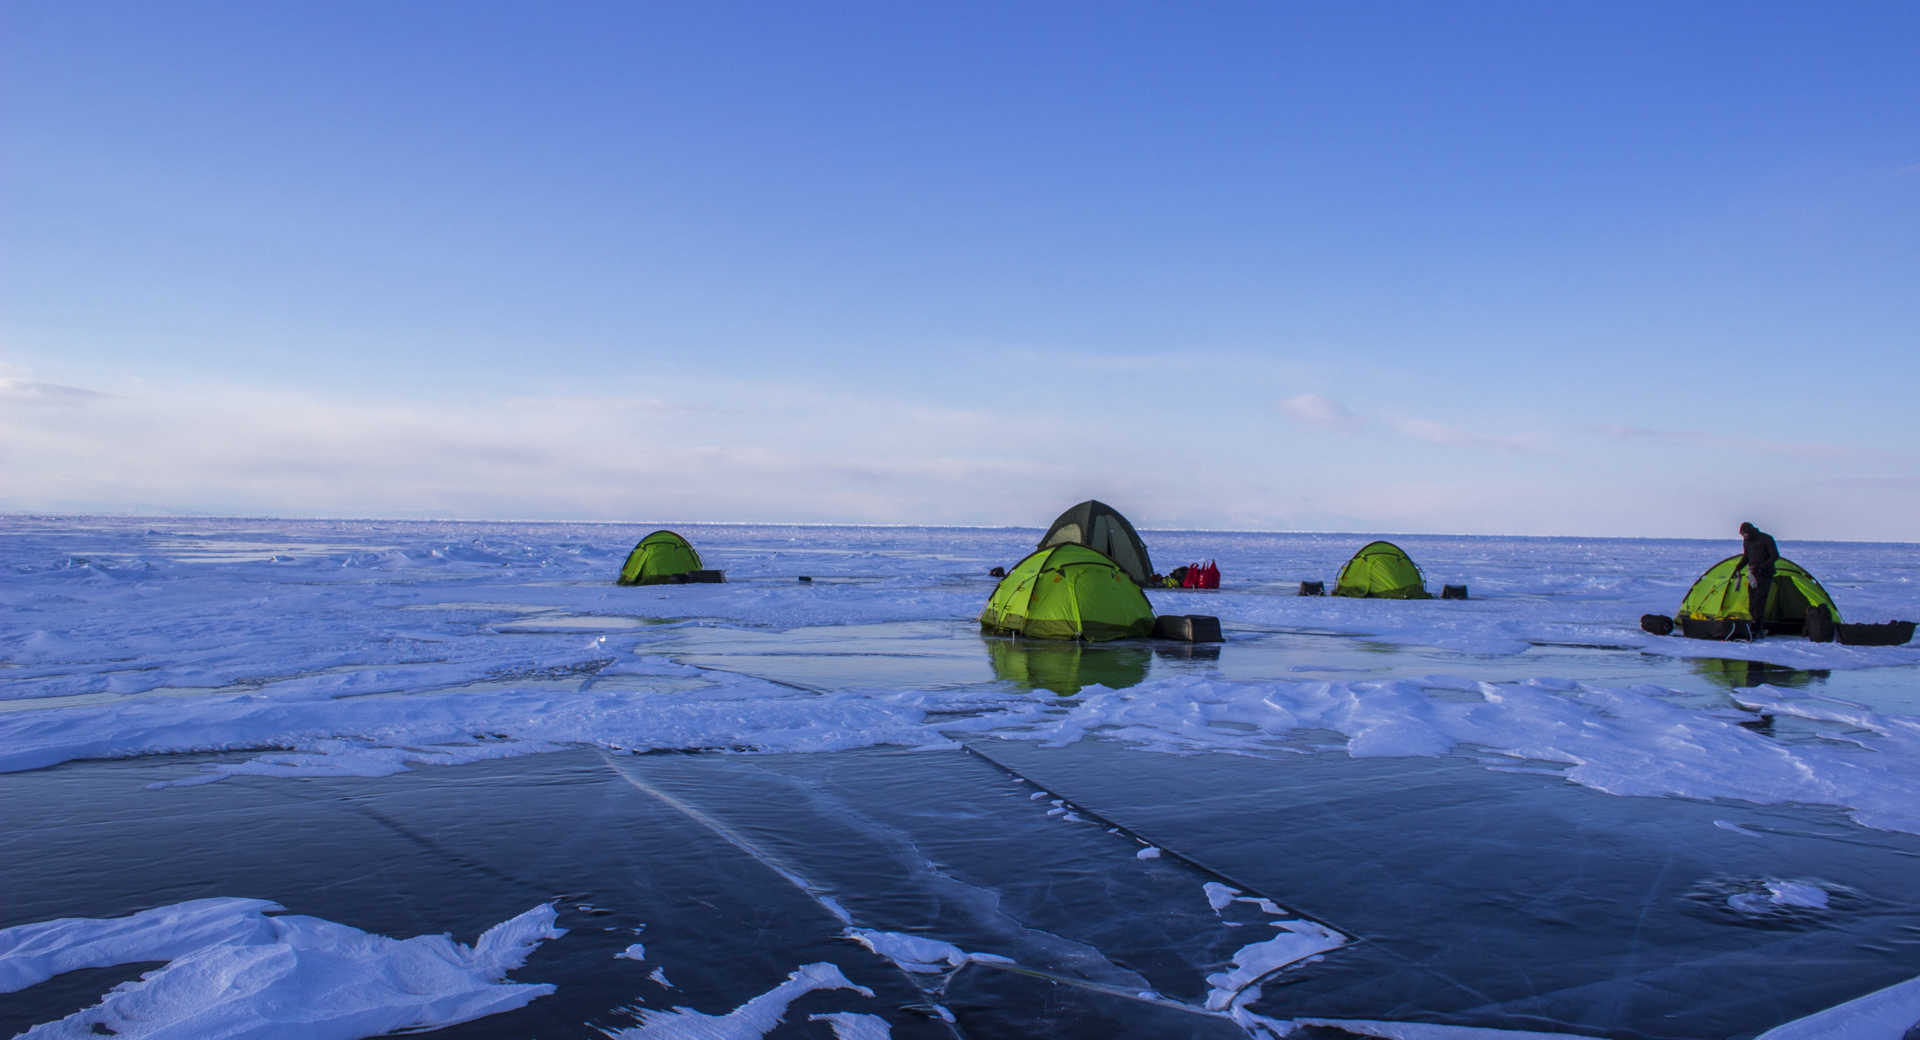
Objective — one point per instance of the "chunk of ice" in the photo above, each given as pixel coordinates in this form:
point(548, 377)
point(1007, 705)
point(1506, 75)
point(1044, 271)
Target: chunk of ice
point(234, 972)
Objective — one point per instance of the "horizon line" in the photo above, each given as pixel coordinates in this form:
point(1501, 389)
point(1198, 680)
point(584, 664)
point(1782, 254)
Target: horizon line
point(176, 517)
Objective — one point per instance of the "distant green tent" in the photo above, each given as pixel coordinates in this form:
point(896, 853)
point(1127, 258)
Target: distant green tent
point(1721, 595)
point(1068, 592)
point(1100, 527)
point(658, 559)
point(1381, 570)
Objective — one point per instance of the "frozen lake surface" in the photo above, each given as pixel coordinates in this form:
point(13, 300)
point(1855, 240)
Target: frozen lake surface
point(334, 779)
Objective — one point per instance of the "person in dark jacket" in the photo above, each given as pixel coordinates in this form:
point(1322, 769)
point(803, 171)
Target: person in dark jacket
point(1757, 555)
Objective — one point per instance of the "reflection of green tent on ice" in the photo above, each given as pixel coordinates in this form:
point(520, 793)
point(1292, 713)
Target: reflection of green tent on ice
point(1721, 595)
point(660, 558)
point(1381, 570)
point(1736, 673)
point(1068, 592)
point(1099, 527)
point(1067, 667)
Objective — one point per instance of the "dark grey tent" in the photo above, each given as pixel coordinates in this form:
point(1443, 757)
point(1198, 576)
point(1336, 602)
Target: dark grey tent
point(1099, 527)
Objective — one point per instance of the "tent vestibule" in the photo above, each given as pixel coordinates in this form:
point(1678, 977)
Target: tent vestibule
point(1100, 527)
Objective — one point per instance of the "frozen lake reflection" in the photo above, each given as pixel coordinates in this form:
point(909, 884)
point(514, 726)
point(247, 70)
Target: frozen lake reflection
point(257, 771)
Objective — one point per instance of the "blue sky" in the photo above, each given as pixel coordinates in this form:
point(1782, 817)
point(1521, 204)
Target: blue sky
point(1570, 268)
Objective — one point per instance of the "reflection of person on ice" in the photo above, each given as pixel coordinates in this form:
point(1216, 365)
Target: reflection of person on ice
point(1757, 555)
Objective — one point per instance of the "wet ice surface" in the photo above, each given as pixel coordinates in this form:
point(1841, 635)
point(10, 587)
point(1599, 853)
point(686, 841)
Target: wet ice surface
point(857, 817)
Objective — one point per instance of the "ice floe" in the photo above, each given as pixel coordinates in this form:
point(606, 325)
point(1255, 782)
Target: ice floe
point(1298, 940)
point(751, 1020)
point(235, 969)
point(1892, 1012)
point(919, 954)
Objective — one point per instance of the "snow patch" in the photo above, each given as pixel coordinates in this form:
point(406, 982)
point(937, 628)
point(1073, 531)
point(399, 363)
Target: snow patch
point(1297, 941)
point(1424, 1031)
point(919, 954)
point(1776, 894)
point(756, 1018)
point(233, 971)
point(1892, 1012)
point(849, 1026)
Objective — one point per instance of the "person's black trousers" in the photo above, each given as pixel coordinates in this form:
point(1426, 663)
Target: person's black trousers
point(1758, 585)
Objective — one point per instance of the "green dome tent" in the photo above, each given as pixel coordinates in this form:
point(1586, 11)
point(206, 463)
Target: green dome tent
point(658, 559)
point(1381, 570)
point(1721, 595)
point(1100, 527)
point(1068, 592)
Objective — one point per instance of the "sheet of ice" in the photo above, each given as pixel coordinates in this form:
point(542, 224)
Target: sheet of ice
point(919, 954)
point(335, 648)
point(1424, 1031)
point(1297, 941)
point(462, 583)
point(1624, 741)
point(1892, 1012)
point(376, 736)
point(750, 1021)
point(235, 972)
point(33, 953)
point(849, 1026)
point(1775, 894)
point(1636, 742)
point(1797, 893)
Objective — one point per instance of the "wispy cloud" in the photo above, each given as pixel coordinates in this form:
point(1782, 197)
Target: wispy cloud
point(1141, 364)
point(1874, 483)
point(697, 451)
point(1323, 412)
point(709, 448)
point(1647, 433)
point(1434, 432)
point(20, 391)
point(1720, 442)
point(1169, 365)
